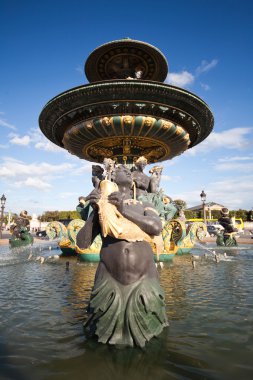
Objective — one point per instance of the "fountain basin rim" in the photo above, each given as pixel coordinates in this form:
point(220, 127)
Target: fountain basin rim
point(128, 83)
point(126, 97)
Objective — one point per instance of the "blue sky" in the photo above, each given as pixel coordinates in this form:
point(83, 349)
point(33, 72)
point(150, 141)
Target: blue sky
point(44, 44)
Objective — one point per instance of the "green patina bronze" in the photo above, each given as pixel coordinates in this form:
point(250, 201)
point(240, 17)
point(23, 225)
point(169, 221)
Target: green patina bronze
point(124, 115)
point(21, 236)
point(25, 239)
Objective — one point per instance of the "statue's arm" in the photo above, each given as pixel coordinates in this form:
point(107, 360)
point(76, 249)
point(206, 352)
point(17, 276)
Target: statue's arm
point(140, 183)
point(148, 221)
point(83, 210)
point(89, 231)
point(145, 216)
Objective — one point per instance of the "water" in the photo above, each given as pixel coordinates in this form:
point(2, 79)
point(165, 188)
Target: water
point(209, 306)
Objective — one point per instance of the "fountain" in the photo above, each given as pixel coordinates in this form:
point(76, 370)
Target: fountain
point(124, 114)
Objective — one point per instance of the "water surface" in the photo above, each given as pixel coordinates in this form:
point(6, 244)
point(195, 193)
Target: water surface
point(209, 306)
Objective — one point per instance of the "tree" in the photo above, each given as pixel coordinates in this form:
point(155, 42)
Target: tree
point(50, 216)
point(181, 204)
point(190, 214)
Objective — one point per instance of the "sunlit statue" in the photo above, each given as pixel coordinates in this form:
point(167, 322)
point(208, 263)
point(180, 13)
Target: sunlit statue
point(148, 190)
point(127, 303)
point(155, 179)
point(141, 179)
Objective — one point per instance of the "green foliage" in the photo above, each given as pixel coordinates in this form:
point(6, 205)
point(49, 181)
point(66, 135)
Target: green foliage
point(180, 203)
point(250, 216)
point(215, 214)
point(190, 214)
point(50, 216)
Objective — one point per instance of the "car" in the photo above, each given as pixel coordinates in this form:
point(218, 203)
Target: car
point(41, 233)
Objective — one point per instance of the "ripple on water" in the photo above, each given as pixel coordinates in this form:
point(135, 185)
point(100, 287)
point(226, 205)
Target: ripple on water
point(209, 308)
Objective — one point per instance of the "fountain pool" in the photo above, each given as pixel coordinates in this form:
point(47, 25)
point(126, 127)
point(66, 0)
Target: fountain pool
point(209, 307)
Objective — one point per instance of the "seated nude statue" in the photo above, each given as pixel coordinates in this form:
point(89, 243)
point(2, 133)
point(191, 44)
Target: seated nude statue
point(127, 303)
point(140, 179)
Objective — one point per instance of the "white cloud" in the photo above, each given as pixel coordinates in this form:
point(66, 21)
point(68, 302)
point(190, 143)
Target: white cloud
point(23, 141)
point(233, 193)
point(206, 66)
point(12, 168)
point(184, 78)
point(206, 87)
point(4, 146)
point(84, 168)
point(4, 123)
point(68, 194)
point(48, 146)
point(36, 138)
point(166, 177)
point(80, 70)
point(36, 175)
point(35, 183)
point(237, 167)
point(235, 138)
point(235, 158)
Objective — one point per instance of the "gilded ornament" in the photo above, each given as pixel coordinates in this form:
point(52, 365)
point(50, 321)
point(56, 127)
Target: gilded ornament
point(106, 121)
point(128, 119)
point(89, 125)
point(179, 130)
point(126, 146)
point(149, 121)
point(167, 124)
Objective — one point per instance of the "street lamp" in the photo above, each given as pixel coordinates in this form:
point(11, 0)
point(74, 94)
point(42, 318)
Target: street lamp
point(3, 200)
point(203, 199)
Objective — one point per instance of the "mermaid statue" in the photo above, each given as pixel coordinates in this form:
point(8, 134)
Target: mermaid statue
point(20, 231)
point(127, 305)
point(227, 236)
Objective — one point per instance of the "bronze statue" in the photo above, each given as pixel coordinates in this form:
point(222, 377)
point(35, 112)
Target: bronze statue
point(155, 179)
point(83, 208)
point(109, 166)
point(21, 224)
point(127, 303)
point(21, 231)
point(97, 175)
point(226, 237)
point(140, 179)
point(148, 189)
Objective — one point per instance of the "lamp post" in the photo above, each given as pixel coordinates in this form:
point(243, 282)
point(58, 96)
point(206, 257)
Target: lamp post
point(3, 200)
point(203, 199)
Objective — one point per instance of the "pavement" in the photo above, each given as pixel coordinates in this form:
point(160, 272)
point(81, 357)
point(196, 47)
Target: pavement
point(242, 239)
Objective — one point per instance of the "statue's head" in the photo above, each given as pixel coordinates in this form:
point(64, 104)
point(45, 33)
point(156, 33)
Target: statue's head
point(108, 163)
point(156, 170)
point(82, 199)
point(224, 211)
point(141, 162)
point(166, 199)
point(97, 170)
point(122, 176)
point(23, 213)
